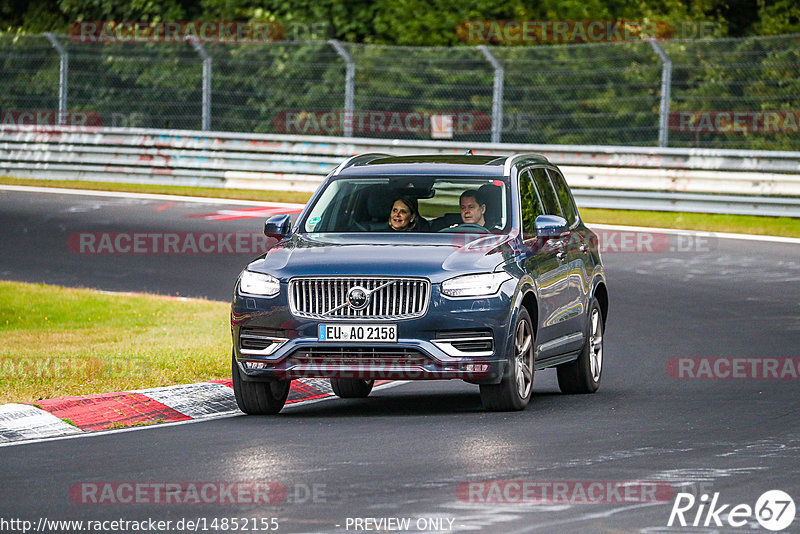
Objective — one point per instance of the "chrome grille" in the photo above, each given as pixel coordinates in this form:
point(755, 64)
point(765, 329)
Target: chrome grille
point(390, 298)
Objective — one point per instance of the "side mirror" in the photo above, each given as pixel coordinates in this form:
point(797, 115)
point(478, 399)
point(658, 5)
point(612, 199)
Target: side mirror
point(548, 226)
point(278, 226)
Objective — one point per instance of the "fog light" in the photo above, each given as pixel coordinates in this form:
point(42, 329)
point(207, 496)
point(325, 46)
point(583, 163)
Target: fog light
point(257, 365)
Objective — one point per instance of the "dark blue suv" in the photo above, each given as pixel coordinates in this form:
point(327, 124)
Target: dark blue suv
point(476, 268)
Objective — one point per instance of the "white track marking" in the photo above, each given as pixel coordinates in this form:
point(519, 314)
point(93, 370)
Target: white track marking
point(23, 421)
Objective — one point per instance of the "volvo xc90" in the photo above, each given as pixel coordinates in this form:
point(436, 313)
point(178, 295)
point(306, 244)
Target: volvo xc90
point(342, 295)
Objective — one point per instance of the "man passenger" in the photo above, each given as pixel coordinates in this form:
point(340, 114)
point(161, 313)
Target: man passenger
point(473, 207)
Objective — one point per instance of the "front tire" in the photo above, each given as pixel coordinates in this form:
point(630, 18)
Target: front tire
point(259, 398)
point(583, 375)
point(351, 388)
point(515, 389)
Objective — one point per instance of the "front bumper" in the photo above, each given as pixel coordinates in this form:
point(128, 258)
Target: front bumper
point(290, 348)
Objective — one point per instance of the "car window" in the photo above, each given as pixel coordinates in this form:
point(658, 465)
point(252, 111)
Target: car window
point(546, 192)
point(337, 205)
point(564, 197)
point(531, 206)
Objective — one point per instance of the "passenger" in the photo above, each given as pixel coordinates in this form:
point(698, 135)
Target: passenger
point(473, 207)
point(405, 215)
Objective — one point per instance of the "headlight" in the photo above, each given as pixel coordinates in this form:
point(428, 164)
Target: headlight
point(474, 285)
point(259, 284)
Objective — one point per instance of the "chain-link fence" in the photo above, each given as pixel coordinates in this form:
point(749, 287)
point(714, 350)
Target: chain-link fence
point(723, 93)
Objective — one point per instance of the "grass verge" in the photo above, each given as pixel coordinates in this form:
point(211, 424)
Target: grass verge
point(741, 224)
point(60, 341)
point(710, 222)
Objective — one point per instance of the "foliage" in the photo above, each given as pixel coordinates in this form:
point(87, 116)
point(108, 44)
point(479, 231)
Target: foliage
point(593, 93)
point(402, 22)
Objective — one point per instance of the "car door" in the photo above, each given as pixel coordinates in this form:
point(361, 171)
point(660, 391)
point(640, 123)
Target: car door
point(541, 261)
point(565, 316)
point(579, 257)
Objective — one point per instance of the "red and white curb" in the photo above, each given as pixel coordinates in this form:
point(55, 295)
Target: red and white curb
point(67, 416)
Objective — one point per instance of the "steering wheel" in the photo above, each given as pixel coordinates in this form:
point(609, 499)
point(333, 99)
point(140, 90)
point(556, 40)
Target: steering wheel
point(360, 227)
point(466, 228)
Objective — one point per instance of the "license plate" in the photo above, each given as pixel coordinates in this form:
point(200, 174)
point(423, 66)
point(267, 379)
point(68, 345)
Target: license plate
point(380, 333)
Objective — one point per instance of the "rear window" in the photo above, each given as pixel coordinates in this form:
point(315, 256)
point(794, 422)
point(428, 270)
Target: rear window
point(546, 192)
point(564, 197)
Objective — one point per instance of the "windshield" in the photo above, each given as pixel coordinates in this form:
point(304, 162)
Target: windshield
point(410, 204)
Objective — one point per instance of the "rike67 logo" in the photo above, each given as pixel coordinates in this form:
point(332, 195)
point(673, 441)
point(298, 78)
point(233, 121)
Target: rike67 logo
point(774, 510)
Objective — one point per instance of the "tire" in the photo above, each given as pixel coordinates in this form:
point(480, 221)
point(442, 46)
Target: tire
point(583, 375)
point(351, 388)
point(259, 398)
point(515, 389)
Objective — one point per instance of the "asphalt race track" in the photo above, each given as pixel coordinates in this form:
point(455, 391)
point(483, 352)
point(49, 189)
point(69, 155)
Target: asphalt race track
point(409, 452)
point(41, 242)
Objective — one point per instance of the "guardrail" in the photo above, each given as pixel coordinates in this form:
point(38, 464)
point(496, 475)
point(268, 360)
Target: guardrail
point(699, 180)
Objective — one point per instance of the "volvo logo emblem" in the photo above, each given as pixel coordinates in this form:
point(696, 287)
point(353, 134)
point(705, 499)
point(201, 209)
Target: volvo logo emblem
point(358, 298)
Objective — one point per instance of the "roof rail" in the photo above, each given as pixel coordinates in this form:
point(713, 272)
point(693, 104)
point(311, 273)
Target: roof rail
point(510, 160)
point(359, 158)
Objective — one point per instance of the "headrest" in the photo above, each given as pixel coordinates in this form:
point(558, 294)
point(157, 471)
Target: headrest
point(379, 203)
point(491, 195)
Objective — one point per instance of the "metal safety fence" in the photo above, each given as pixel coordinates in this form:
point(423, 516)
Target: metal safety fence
point(639, 178)
point(712, 93)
